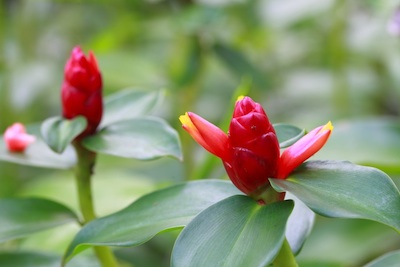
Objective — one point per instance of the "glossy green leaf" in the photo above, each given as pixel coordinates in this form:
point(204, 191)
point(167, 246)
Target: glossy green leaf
point(128, 104)
point(345, 190)
point(58, 132)
point(36, 259)
point(141, 138)
point(373, 142)
point(239, 64)
point(23, 216)
point(299, 225)
point(236, 231)
point(169, 208)
point(391, 259)
point(38, 154)
point(288, 134)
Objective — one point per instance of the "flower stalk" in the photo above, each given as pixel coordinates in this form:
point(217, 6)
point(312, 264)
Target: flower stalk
point(285, 257)
point(86, 160)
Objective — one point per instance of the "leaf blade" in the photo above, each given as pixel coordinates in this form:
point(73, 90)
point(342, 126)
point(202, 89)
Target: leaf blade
point(288, 134)
point(233, 232)
point(299, 225)
point(170, 208)
point(390, 259)
point(140, 138)
point(345, 190)
point(21, 217)
point(128, 104)
point(59, 132)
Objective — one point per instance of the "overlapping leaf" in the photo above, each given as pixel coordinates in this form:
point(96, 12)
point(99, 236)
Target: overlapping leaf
point(391, 259)
point(288, 134)
point(165, 209)
point(128, 104)
point(29, 259)
point(58, 132)
point(234, 232)
point(140, 138)
point(345, 190)
point(23, 216)
point(299, 225)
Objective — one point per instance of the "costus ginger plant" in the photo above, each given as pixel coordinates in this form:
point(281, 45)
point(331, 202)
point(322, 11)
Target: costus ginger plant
point(262, 216)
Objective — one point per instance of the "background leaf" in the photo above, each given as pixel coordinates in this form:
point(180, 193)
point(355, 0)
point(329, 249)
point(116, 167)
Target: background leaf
point(38, 154)
point(234, 232)
point(58, 132)
point(239, 65)
point(345, 190)
point(140, 138)
point(128, 104)
point(391, 259)
point(29, 259)
point(162, 210)
point(288, 134)
point(21, 217)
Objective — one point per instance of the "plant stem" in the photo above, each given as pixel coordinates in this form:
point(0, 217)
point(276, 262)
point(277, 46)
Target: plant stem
point(83, 174)
point(285, 256)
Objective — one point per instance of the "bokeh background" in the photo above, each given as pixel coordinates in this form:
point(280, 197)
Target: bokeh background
point(306, 61)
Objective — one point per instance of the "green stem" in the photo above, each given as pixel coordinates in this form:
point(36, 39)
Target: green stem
point(83, 174)
point(285, 256)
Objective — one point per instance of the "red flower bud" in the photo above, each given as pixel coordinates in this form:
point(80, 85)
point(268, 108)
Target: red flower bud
point(17, 139)
point(250, 152)
point(81, 92)
point(254, 147)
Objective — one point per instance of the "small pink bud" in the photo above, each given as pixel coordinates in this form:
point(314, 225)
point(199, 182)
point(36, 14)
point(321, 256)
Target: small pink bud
point(16, 138)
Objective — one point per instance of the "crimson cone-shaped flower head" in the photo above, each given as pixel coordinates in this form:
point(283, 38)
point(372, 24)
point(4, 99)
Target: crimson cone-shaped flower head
point(254, 147)
point(16, 138)
point(81, 92)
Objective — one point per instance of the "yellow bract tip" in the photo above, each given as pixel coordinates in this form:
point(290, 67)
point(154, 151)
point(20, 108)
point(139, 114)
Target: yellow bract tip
point(327, 126)
point(184, 119)
point(239, 98)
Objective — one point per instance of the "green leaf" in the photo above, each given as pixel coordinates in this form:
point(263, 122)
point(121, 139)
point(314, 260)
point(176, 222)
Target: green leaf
point(391, 259)
point(299, 225)
point(58, 132)
point(234, 232)
point(166, 209)
point(140, 138)
point(30, 259)
point(345, 190)
point(240, 65)
point(21, 217)
point(128, 104)
point(38, 154)
point(288, 134)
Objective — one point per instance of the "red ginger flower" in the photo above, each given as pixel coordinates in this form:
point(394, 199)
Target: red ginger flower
point(81, 92)
point(16, 138)
point(250, 152)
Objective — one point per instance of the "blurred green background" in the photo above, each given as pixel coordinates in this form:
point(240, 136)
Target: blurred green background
point(306, 61)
